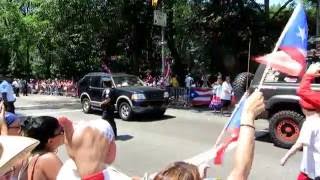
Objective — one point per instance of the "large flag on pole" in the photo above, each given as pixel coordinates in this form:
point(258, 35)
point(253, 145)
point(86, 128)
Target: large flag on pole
point(289, 56)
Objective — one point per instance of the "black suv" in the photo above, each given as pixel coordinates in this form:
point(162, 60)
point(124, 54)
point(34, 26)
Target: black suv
point(132, 96)
point(282, 103)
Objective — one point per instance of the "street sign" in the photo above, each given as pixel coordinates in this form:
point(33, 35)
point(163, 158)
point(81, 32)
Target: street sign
point(159, 18)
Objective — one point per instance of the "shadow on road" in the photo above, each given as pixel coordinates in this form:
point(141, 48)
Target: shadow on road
point(124, 137)
point(138, 117)
point(151, 118)
point(263, 136)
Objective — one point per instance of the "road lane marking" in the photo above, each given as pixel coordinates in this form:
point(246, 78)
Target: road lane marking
point(51, 113)
point(48, 104)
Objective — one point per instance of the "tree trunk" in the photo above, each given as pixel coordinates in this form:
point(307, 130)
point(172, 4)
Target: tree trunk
point(266, 8)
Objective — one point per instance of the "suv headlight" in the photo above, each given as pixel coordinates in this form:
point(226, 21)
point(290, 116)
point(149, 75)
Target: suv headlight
point(138, 97)
point(166, 95)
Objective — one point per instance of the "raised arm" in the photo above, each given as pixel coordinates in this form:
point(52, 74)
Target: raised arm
point(297, 146)
point(245, 149)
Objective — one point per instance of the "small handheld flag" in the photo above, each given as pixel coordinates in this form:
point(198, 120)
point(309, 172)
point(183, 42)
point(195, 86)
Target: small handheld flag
point(230, 131)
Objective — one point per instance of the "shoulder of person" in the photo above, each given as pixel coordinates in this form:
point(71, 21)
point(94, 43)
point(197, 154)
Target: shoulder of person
point(48, 158)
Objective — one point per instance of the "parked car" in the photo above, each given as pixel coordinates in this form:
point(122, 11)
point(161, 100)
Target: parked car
point(282, 103)
point(132, 96)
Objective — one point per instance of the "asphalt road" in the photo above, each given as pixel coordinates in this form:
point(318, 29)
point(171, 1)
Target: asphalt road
point(148, 144)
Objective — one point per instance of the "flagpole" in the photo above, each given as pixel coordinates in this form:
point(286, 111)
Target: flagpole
point(285, 30)
point(248, 64)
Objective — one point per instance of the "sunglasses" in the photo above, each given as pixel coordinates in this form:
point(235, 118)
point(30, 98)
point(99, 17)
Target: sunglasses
point(59, 132)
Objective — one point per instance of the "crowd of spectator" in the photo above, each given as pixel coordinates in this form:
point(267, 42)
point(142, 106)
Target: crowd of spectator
point(46, 87)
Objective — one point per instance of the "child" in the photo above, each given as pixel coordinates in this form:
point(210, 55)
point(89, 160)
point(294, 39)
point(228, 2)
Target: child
point(309, 137)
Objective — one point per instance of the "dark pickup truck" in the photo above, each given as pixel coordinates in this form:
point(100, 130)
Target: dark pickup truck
point(132, 96)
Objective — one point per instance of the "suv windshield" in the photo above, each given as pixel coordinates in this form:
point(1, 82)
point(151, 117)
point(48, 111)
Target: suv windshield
point(122, 81)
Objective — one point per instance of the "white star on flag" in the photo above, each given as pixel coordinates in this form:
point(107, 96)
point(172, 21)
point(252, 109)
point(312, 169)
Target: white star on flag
point(302, 34)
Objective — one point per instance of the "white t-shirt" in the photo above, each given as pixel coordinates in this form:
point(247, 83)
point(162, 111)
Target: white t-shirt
point(217, 89)
point(310, 138)
point(189, 81)
point(69, 171)
point(5, 87)
point(226, 91)
point(15, 84)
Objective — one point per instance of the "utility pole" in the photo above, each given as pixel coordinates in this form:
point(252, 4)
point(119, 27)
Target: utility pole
point(317, 19)
point(162, 40)
point(160, 19)
point(317, 24)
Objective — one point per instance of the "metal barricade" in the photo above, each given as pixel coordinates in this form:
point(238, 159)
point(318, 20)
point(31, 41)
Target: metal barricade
point(179, 96)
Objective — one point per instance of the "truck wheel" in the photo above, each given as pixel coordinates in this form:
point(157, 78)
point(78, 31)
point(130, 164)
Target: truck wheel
point(86, 105)
point(240, 82)
point(284, 128)
point(125, 111)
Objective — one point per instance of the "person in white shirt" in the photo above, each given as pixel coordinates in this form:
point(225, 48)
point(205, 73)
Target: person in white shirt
point(16, 87)
point(8, 95)
point(188, 82)
point(226, 94)
point(309, 136)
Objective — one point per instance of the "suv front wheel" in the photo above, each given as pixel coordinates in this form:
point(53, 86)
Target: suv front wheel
point(125, 111)
point(86, 105)
point(284, 128)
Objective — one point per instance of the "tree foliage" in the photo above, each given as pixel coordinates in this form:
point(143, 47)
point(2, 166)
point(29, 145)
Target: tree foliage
point(68, 38)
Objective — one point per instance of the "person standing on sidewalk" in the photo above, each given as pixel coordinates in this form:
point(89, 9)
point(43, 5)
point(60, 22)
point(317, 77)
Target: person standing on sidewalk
point(226, 94)
point(8, 95)
point(107, 105)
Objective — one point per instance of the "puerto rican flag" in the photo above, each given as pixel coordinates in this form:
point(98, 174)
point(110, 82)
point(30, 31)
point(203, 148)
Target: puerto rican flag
point(290, 58)
point(230, 132)
point(201, 96)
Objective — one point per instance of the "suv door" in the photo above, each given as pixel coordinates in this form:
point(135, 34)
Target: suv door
point(95, 90)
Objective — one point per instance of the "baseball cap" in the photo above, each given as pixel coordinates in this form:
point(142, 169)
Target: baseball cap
point(309, 104)
point(10, 118)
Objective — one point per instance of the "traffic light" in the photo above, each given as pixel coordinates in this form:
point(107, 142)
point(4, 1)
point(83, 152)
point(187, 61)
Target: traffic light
point(154, 3)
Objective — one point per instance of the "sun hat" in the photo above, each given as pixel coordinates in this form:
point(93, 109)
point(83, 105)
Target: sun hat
point(102, 125)
point(13, 149)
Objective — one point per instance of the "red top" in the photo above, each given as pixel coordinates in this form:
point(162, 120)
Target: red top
point(309, 99)
point(97, 176)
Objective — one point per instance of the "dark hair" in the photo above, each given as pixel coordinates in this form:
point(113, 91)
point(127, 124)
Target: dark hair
point(179, 171)
point(41, 128)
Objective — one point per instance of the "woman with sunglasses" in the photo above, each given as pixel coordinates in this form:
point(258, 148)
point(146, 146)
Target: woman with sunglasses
point(44, 162)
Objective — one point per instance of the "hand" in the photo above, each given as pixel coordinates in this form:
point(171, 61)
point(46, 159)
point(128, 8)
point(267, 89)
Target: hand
point(252, 108)
point(87, 148)
point(314, 70)
point(283, 161)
